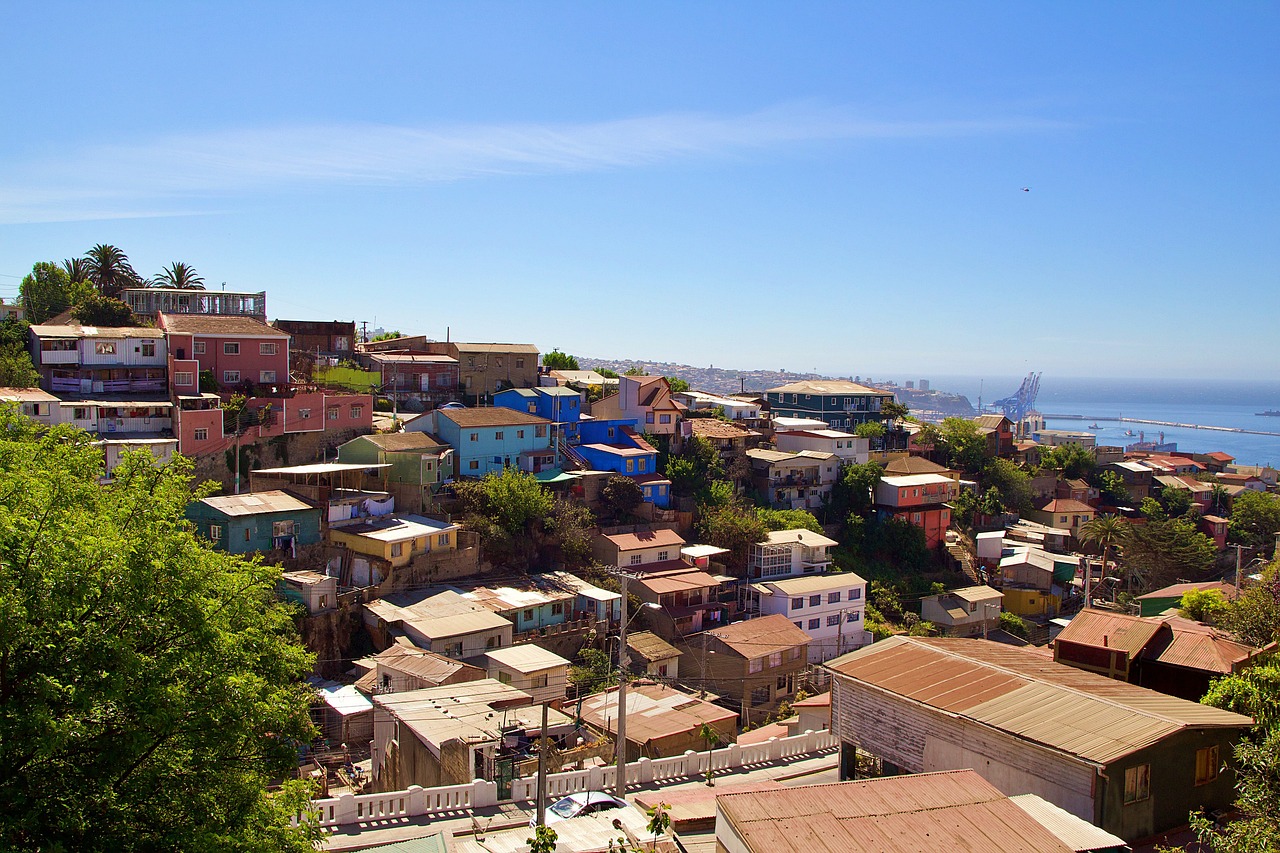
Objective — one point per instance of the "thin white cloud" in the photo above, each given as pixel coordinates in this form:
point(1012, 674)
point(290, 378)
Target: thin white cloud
point(174, 174)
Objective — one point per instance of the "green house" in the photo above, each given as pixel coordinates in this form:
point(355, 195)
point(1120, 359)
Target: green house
point(1158, 601)
point(263, 522)
point(419, 464)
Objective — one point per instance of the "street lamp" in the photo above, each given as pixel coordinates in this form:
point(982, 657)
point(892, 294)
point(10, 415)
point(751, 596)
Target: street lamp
point(623, 662)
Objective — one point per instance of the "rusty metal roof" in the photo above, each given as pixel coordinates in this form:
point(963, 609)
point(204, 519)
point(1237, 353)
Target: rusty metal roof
point(922, 813)
point(764, 635)
point(1029, 695)
point(1104, 629)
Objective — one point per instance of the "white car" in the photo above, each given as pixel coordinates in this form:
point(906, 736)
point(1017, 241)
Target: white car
point(580, 805)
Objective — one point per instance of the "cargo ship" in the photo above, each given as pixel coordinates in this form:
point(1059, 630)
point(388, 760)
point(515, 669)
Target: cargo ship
point(1269, 413)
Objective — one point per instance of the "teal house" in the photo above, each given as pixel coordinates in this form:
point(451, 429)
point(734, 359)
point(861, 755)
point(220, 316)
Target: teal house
point(842, 404)
point(261, 522)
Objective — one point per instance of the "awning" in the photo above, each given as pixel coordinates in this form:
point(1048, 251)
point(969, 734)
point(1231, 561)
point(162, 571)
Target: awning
point(553, 475)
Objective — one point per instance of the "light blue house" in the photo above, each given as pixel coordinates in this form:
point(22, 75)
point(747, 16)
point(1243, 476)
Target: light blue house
point(488, 440)
point(560, 405)
point(273, 522)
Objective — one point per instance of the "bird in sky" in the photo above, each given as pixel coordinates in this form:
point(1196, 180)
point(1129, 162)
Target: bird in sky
point(1026, 189)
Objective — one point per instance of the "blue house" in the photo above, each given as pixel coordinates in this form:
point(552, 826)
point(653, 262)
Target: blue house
point(261, 522)
point(490, 439)
point(562, 406)
point(614, 445)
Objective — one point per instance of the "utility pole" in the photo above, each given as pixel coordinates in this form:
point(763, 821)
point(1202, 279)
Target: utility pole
point(623, 662)
point(1088, 583)
point(542, 770)
point(1239, 570)
point(364, 331)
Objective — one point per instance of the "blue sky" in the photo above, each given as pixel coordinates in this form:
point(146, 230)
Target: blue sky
point(803, 186)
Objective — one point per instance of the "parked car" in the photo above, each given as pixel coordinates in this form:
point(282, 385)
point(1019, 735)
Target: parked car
point(451, 406)
point(580, 805)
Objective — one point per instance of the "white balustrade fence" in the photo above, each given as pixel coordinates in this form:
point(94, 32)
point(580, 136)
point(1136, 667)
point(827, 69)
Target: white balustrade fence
point(417, 801)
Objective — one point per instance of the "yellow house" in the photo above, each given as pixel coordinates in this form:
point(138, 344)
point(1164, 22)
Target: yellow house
point(397, 539)
point(1031, 602)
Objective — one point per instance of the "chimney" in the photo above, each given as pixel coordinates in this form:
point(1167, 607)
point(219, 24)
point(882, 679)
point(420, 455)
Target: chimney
point(1104, 641)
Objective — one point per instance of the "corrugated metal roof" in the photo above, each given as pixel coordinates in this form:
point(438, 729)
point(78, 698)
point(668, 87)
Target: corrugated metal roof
point(1028, 694)
point(678, 583)
point(1177, 590)
point(646, 539)
point(419, 663)
point(922, 813)
point(1078, 834)
point(762, 636)
point(655, 711)
point(256, 503)
point(497, 416)
point(527, 658)
point(1104, 629)
point(1200, 649)
point(811, 583)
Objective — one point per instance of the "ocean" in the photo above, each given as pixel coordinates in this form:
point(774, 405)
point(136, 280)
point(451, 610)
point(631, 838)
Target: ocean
point(1226, 403)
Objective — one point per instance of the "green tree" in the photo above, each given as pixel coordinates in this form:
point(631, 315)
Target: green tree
point(697, 464)
point(97, 310)
point(45, 292)
point(607, 373)
point(1202, 605)
point(1161, 552)
point(109, 270)
point(854, 489)
point(1152, 509)
point(179, 275)
point(894, 410)
point(1254, 615)
point(1176, 502)
point(711, 738)
point(620, 496)
point(635, 371)
point(1072, 460)
point(1220, 498)
point(593, 672)
point(556, 360)
point(1015, 624)
point(151, 687)
point(1255, 519)
point(990, 504)
point(1255, 692)
point(1112, 489)
point(873, 430)
point(16, 369)
point(77, 270)
point(677, 384)
point(734, 527)
point(966, 447)
point(1013, 484)
point(543, 840)
point(789, 519)
point(388, 336)
point(1105, 531)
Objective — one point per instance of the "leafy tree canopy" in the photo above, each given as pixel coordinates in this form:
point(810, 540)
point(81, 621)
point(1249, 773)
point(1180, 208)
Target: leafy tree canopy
point(607, 373)
point(635, 371)
point(789, 519)
point(556, 360)
point(1160, 552)
point(1013, 484)
point(388, 336)
point(733, 526)
point(873, 430)
point(109, 270)
point(1202, 605)
point(1073, 460)
point(677, 384)
point(96, 310)
point(47, 291)
point(621, 495)
point(1255, 519)
point(151, 687)
point(179, 275)
point(966, 447)
point(894, 410)
point(854, 490)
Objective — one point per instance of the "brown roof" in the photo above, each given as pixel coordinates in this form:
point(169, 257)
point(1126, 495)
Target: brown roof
point(215, 324)
point(1028, 695)
point(646, 539)
point(716, 428)
point(256, 503)
point(494, 416)
point(915, 465)
point(1104, 629)
point(991, 421)
point(656, 711)
point(395, 441)
point(419, 663)
point(956, 810)
point(1196, 646)
point(496, 348)
point(1177, 590)
point(650, 647)
point(678, 583)
point(762, 636)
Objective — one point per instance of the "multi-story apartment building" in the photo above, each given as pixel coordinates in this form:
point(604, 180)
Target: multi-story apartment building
point(800, 480)
point(75, 359)
point(920, 499)
point(846, 447)
point(486, 369)
point(838, 402)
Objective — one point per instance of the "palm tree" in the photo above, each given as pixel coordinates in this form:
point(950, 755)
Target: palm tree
point(1107, 531)
point(109, 270)
point(712, 739)
point(77, 269)
point(1220, 496)
point(180, 276)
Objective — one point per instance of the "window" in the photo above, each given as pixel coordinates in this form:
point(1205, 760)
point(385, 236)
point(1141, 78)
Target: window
point(202, 434)
point(105, 348)
point(357, 412)
point(248, 533)
point(797, 604)
point(304, 414)
point(833, 620)
point(491, 642)
point(815, 624)
point(538, 681)
point(519, 433)
point(852, 617)
point(497, 436)
point(215, 531)
point(760, 695)
point(1206, 765)
point(184, 377)
point(498, 359)
point(833, 598)
point(397, 548)
point(800, 625)
point(641, 465)
point(473, 465)
point(755, 664)
point(662, 670)
point(663, 555)
point(648, 417)
point(504, 676)
point(442, 540)
point(631, 466)
point(528, 616)
point(519, 363)
point(333, 413)
point(540, 431)
point(231, 377)
point(197, 347)
point(855, 594)
point(815, 601)
point(80, 413)
point(557, 608)
point(230, 348)
point(664, 419)
point(454, 650)
point(266, 376)
point(635, 559)
point(268, 349)
point(148, 348)
point(1137, 783)
point(475, 436)
point(775, 659)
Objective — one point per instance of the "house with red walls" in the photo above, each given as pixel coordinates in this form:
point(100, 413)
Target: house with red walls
point(243, 354)
point(920, 499)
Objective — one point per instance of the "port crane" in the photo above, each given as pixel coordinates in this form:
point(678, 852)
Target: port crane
point(1023, 402)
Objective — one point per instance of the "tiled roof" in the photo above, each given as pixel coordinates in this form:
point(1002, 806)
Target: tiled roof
point(214, 324)
point(1066, 505)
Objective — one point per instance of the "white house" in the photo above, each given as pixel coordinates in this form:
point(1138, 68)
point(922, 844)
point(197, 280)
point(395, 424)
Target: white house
point(846, 447)
point(830, 608)
point(790, 553)
point(542, 674)
point(964, 612)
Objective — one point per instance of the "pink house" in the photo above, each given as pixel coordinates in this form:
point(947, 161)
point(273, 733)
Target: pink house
point(242, 353)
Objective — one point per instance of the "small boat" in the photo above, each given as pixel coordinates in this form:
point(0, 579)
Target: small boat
point(1094, 426)
point(1129, 432)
